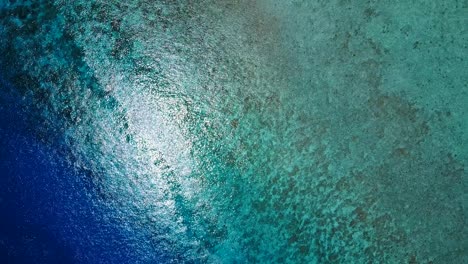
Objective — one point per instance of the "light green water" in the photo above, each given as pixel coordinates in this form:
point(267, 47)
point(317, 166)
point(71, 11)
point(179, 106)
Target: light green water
point(263, 131)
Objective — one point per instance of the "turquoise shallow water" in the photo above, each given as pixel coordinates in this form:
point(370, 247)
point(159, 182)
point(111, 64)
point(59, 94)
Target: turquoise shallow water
point(256, 131)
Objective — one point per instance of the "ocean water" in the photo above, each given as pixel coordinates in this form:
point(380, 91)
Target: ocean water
point(235, 131)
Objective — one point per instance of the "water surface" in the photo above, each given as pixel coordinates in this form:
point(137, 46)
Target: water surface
point(234, 131)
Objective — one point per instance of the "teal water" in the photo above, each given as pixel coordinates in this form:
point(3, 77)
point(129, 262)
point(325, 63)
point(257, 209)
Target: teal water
point(257, 131)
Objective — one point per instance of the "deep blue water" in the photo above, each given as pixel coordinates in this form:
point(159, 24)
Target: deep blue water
point(49, 210)
point(28, 215)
